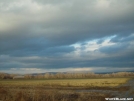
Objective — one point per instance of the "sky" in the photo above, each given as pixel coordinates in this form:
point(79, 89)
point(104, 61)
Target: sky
point(38, 36)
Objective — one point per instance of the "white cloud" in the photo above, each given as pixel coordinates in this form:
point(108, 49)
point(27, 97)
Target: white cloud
point(70, 69)
point(40, 70)
point(103, 4)
point(89, 49)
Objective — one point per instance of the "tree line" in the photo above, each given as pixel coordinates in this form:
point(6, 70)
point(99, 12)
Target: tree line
point(67, 75)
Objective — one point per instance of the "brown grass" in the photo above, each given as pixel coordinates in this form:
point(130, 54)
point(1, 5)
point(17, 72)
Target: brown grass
point(59, 90)
point(48, 95)
point(64, 83)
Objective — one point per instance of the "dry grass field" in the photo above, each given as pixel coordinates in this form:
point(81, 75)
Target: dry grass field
point(61, 89)
point(102, 82)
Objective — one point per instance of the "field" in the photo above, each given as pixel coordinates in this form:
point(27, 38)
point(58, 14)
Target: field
point(112, 82)
point(62, 89)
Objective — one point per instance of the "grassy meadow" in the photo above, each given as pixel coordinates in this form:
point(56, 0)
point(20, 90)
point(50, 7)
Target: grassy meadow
point(61, 89)
point(100, 82)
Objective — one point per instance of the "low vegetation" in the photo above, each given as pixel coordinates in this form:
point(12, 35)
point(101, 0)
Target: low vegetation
point(104, 82)
point(49, 95)
point(63, 88)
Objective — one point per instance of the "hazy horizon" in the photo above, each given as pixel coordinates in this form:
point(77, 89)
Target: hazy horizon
point(38, 36)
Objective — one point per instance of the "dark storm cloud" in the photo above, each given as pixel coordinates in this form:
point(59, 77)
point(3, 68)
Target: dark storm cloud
point(123, 38)
point(114, 48)
point(48, 30)
point(30, 47)
point(125, 60)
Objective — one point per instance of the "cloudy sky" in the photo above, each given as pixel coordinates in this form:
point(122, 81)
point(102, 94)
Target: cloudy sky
point(66, 35)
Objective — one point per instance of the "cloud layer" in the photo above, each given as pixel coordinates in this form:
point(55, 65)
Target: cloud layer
point(58, 35)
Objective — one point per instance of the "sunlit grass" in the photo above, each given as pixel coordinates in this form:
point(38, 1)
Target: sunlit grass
point(112, 82)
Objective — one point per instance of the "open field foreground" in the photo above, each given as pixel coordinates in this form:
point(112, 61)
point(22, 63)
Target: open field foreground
point(66, 89)
point(67, 82)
